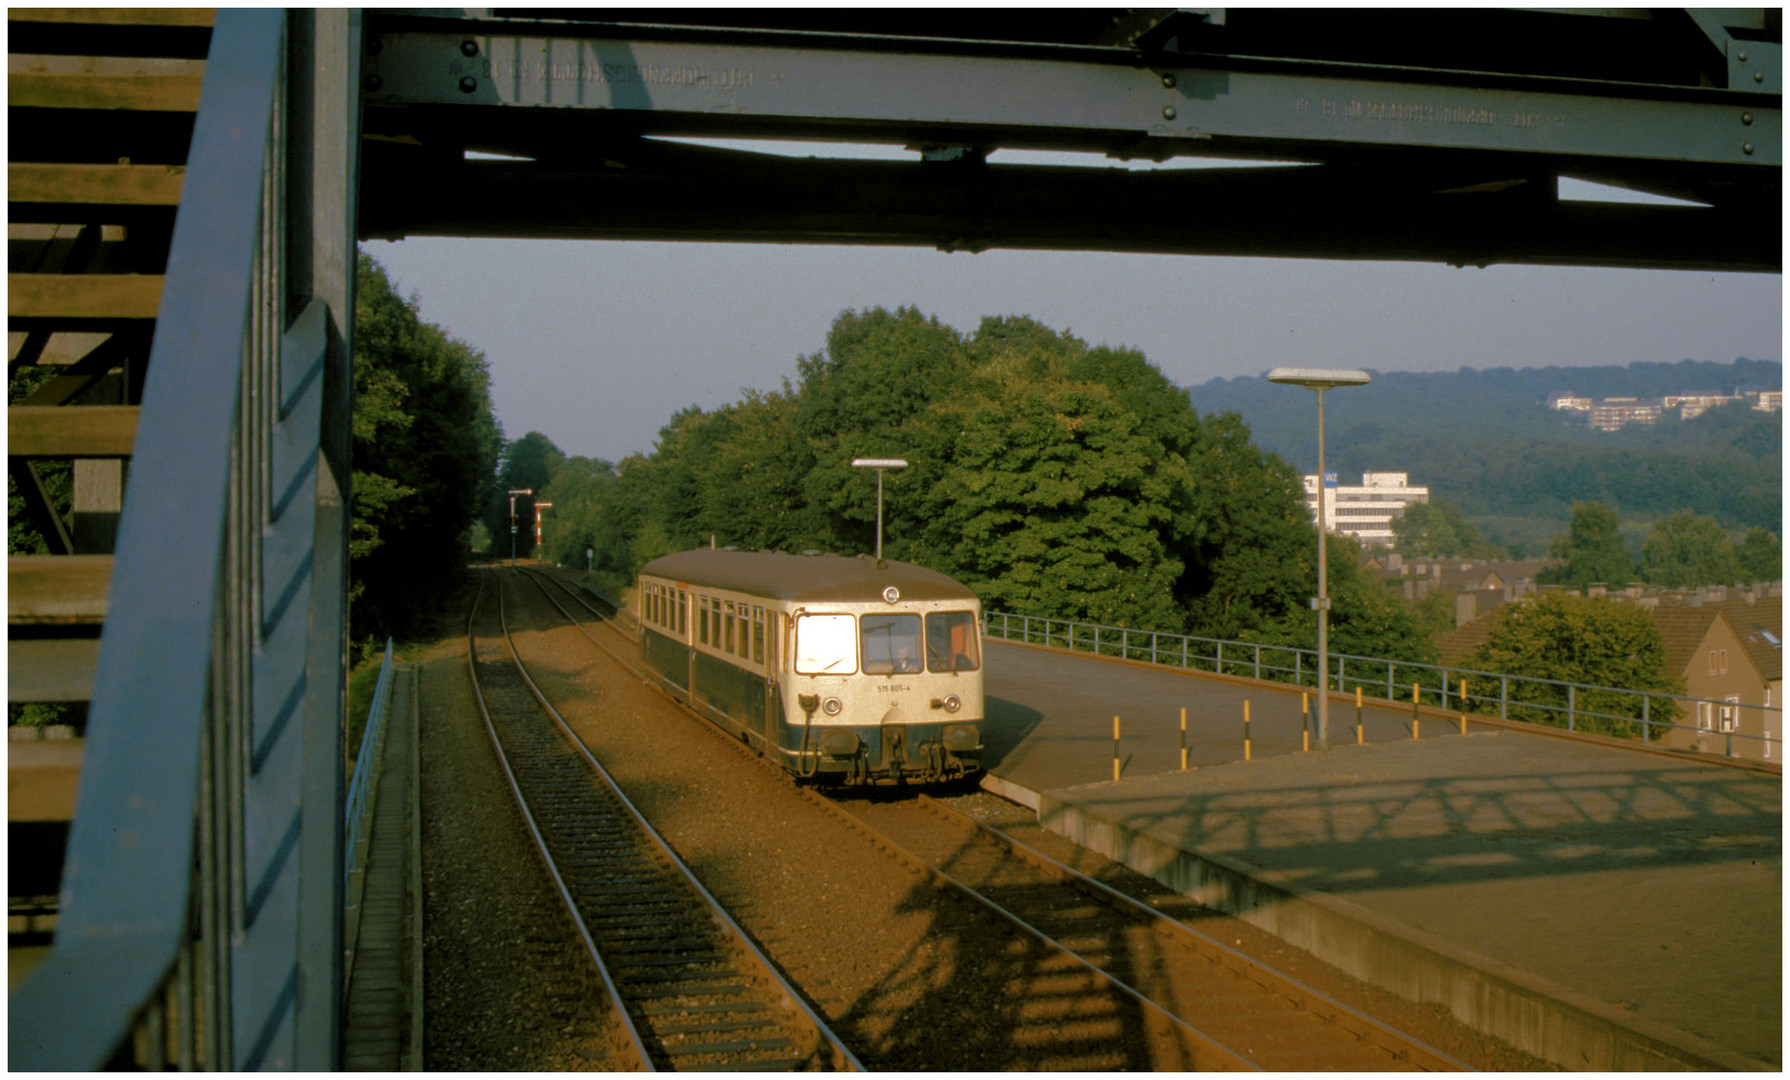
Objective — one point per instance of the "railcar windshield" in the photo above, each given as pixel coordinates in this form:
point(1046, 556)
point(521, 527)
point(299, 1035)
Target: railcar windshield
point(951, 641)
point(891, 644)
point(826, 645)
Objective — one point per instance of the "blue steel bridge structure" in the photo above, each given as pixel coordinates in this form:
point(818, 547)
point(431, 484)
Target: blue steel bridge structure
point(186, 188)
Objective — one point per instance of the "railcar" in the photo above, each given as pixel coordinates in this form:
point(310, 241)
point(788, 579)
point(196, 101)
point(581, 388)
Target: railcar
point(843, 669)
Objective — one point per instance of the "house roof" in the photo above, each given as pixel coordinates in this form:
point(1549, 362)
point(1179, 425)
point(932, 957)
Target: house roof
point(1761, 629)
point(1457, 643)
point(1682, 628)
point(1759, 626)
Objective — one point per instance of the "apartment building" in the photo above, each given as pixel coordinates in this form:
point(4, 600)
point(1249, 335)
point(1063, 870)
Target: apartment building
point(1366, 511)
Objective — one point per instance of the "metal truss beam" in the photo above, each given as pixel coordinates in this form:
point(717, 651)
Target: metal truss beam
point(1410, 163)
point(655, 190)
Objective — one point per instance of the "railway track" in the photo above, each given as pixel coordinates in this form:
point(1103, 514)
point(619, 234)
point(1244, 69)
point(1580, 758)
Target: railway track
point(1201, 1004)
point(686, 984)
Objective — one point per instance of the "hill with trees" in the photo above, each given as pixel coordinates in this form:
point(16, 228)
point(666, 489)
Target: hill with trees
point(1486, 442)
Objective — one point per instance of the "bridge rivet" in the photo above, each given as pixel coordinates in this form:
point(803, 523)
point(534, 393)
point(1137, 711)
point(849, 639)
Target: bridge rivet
point(1758, 76)
point(1168, 112)
point(1746, 118)
point(1746, 148)
point(1741, 57)
point(468, 85)
point(469, 47)
point(1168, 82)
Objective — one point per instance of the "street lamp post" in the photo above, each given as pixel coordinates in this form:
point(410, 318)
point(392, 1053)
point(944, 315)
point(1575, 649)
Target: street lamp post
point(879, 464)
point(513, 493)
point(1320, 380)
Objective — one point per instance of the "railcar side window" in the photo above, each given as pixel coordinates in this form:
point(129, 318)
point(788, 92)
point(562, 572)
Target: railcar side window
point(891, 644)
point(758, 635)
point(826, 645)
point(702, 620)
point(727, 627)
point(951, 641)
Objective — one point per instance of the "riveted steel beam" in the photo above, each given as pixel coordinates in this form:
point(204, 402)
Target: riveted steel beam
point(1082, 97)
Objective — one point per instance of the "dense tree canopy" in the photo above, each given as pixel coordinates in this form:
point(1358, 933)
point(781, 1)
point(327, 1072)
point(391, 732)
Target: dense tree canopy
point(425, 451)
point(1594, 551)
point(1688, 549)
point(1438, 528)
point(1053, 477)
point(1589, 640)
point(1761, 555)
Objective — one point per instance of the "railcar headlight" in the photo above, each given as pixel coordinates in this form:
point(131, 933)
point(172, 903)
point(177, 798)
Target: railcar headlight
point(953, 703)
point(832, 706)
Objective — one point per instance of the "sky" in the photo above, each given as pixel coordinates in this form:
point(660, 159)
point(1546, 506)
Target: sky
point(596, 344)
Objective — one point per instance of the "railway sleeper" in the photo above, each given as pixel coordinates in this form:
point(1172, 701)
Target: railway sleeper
point(669, 990)
point(698, 1049)
point(672, 1010)
point(715, 1027)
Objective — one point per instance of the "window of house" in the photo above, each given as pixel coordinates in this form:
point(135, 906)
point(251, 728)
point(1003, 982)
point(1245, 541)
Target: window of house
point(1705, 715)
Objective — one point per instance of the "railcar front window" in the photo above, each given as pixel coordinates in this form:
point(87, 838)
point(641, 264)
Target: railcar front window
point(891, 644)
point(826, 645)
point(951, 641)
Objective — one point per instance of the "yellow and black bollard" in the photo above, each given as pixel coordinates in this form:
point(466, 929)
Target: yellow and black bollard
point(1115, 748)
point(1245, 729)
point(1183, 738)
point(1358, 736)
point(1305, 718)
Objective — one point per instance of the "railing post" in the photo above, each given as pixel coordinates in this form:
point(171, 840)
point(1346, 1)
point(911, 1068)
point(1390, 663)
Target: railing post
point(1218, 665)
point(1183, 652)
point(1571, 707)
point(1646, 701)
point(1258, 662)
point(1504, 697)
point(1298, 667)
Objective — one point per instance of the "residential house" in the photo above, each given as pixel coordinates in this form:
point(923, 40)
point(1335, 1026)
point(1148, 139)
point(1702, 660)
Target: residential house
point(1733, 673)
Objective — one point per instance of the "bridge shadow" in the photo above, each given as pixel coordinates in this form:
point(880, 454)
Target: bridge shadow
point(967, 997)
point(1342, 837)
point(1005, 725)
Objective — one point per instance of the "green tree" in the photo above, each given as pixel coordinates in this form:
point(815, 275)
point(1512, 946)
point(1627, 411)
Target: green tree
point(425, 448)
point(1592, 548)
point(1438, 528)
point(1689, 549)
point(1587, 640)
point(1761, 555)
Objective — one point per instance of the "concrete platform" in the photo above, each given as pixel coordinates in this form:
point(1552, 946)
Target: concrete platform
point(1597, 906)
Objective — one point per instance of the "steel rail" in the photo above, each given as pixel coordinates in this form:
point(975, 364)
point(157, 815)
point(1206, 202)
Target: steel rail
point(565, 895)
point(1395, 1043)
point(840, 1055)
point(1198, 1050)
point(1363, 1026)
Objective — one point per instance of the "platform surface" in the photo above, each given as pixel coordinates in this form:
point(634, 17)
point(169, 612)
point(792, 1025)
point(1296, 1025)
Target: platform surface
point(1647, 881)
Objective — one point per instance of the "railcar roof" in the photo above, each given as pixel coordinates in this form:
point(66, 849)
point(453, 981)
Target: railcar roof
point(805, 578)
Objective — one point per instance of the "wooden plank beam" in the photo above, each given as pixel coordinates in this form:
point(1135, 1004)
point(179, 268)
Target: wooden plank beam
point(84, 90)
point(42, 777)
point(55, 669)
point(71, 430)
point(99, 185)
point(58, 589)
point(145, 16)
point(83, 296)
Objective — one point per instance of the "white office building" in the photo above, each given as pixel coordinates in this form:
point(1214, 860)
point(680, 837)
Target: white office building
point(1365, 512)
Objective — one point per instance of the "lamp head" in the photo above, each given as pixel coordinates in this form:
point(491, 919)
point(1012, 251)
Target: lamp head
point(1319, 378)
point(879, 463)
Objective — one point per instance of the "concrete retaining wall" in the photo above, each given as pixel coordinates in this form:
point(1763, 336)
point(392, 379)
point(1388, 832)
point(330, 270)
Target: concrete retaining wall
point(1533, 1014)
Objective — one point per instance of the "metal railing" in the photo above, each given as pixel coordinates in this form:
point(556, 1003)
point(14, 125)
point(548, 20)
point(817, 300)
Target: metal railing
point(1603, 710)
point(372, 740)
point(201, 918)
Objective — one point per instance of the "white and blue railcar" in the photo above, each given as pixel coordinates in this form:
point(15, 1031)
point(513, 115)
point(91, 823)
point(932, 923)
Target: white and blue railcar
point(845, 669)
